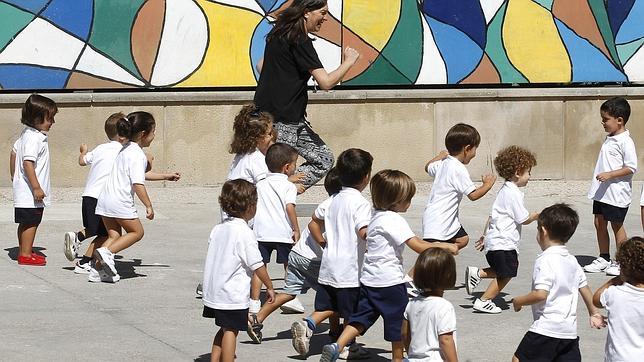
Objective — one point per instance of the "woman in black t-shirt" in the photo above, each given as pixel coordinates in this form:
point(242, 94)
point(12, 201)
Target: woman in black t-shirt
point(289, 62)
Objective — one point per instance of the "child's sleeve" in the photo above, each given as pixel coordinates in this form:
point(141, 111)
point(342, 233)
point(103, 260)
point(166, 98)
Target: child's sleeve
point(362, 216)
point(463, 182)
point(31, 146)
point(137, 169)
point(320, 211)
point(248, 251)
point(291, 194)
point(543, 277)
point(606, 296)
point(630, 155)
point(258, 170)
point(519, 213)
point(581, 278)
point(89, 157)
point(433, 167)
point(446, 319)
point(400, 230)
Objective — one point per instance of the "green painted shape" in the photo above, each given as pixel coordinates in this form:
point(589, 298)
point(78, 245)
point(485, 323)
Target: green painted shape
point(496, 52)
point(545, 3)
point(627, 50)
point(598, 7)
point(404, 49)
point(380, 72)
point(13, 21)
point(111, 30)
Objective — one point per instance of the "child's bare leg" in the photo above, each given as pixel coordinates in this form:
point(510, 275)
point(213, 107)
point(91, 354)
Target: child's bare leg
point(349, 333)
point(26, 237)
point(269, 308)
point(487, 273)
point(133, 233)
point(215, 353)
point(228, 345)
point(397, 351)
point(255, 287)
point(95, 244)
point(319, 317)
point(334, 324)
point(462, 241)
point(603, 239)
point(619, 232)
point(496, 286)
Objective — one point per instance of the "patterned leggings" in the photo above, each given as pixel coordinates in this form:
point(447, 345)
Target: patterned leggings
point(317, 155)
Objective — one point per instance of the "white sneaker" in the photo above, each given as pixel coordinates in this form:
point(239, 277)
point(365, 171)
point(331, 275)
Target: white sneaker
point(199, 290)
point(71, 243)
point(354, 351)
point(486, 306)
point(613, 269)
point(82, 268)
point(98, 276)
point(292, 307)
point(301, 334)
point(472, 279)
point(597, 266)
point(105, 256)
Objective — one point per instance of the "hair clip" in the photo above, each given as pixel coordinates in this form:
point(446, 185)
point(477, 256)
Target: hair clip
point(255, 113)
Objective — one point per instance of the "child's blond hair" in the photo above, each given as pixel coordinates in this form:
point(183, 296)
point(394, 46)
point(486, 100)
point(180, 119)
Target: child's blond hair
point(390, 188)
point(249, 126)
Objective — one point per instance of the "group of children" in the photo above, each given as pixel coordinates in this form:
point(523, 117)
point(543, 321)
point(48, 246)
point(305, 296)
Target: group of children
point(351, 250)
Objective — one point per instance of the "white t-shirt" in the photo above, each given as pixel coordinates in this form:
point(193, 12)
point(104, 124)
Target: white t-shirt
point(617, 152)
point(558, 273)
point(625, 307)
point(101, 160)
point(117, 198)
point(271, 222)
point(344, 252)
point(383, 261)
point(508, 213)
point(429, 317)
point(248, 166)
point(451, 182)
point(32, 145)
point(307, 246)
point(232, 257)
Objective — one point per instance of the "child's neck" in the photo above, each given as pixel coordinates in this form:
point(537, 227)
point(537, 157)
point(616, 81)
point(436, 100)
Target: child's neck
point(549, 243)
point(460, 156)
point(619, 131)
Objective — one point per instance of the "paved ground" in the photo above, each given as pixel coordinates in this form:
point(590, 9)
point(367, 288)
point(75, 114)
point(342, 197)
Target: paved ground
point(49, 313)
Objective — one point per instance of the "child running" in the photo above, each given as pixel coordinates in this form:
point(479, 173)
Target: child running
point(611, 187)
point(622, 297)
point(503, 228)
point(556, 280)
point(232, 258)
point(451, 182)
point(29, 170)
point(429, 327)
point(382, 284)
point(116, 201)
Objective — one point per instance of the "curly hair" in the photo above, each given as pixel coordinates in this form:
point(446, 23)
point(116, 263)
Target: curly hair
point(237, 196)
point(513, 159)
point(630, 257)
point(249, 126)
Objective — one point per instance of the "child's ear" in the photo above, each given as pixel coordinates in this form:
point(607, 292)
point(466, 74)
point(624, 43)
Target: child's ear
point(620, 120)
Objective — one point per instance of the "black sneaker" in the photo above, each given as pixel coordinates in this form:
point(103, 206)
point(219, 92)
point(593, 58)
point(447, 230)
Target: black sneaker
point(254, 329)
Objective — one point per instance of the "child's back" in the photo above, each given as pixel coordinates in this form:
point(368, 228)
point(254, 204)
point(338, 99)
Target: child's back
point(101, 160)
point(271, 222)
point(428, 318)
point(248, 166)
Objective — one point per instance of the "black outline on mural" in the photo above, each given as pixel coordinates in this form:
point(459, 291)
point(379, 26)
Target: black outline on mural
point(636, 50)
point(554, 23)
point(483, 54)
point(620, 65)
point(158, 48)
point(486, 41)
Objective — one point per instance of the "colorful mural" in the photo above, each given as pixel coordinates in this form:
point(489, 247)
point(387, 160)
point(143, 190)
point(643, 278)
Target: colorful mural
point(95, 44)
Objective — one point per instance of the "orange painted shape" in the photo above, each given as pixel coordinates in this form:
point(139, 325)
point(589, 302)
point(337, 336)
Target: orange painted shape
point(484, 73)
point(146, 36)
point(79, 80)
point(367, 53)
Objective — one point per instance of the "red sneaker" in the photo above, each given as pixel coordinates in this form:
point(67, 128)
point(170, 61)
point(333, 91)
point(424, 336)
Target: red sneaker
point(31, 260)
point(38, 256)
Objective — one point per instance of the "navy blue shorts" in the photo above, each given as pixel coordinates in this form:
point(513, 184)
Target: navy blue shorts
point(609, 212)
point(266, 249)
point(388, 302)
point(93, 223)
point(28, 215)
point(459, 234)
point(505, 263)
point(537, 347)
point(340, 300)
point(235, 319)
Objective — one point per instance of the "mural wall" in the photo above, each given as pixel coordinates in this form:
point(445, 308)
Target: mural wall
point(94, 44)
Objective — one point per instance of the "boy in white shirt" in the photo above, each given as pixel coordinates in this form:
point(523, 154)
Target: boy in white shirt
point(556, 279)
point(451, 182)
point(502, 233)
point(622, 297)
point(611, 186)
point(232, 258)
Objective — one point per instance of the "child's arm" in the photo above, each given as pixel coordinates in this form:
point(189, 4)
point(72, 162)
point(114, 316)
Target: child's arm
point(480, 243)
point(292, 218)
point(533, 216)
point(488, 182)
point(262, 274)
point(12, 164)
point(315, 228)
point(418, 245)
point(605, 176)
point(406, 335)
point(362, 233)
point(30, 172)
point(142, 194)
point(534, 297)
point(598, 293)
point(440, 156)
point(448, 347)
point(155, 176)
point(81, 157)
point(596, 319)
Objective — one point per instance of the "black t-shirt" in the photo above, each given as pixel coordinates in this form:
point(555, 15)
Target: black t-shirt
point(281, 89)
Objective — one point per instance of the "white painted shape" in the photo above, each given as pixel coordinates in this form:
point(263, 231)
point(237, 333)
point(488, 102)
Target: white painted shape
point(490, 7)
point(335, 8)
point(251, 5)
point(634, 69)
point(432, 70)
point(330, 54)
point(94, 63)
point(183, 42)
point(41, 43)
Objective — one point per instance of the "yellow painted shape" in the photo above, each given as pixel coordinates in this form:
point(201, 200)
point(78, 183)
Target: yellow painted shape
point(374, 21)
point(227, 61)
point(533, 43)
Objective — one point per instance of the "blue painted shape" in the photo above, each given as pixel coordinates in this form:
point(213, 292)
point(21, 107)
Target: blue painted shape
point(74, 16)
point(589, 64)
point(465, 15)
point(32, 77)
point(617, 12)
point(266, 4)
point(460, 53)
point(633, 27)
point(33, 6)
point(276, 5)
point(258, 43)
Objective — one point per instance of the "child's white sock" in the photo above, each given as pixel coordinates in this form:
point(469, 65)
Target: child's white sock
point(255, 306)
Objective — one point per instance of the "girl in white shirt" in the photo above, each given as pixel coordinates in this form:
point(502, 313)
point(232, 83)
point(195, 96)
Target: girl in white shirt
point(116, 202)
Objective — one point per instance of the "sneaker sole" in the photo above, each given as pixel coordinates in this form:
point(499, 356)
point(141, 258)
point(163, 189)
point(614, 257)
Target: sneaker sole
point(467, 281)
point(254, 336)
point(289, 310)
point(298, 332)
point(328, 354)
point(105, 266)
point(479, 310)
point(70, 254)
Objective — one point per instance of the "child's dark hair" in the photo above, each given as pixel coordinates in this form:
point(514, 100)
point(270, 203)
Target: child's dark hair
point(617, 107)
point(332, 183)
point(390, 188)
point(560, 220)
point(278, 155)
point(435, 270)
point(353, 166)
point(459, 136)
point(36, 109)
point(135, 123)
point(630, 257)
point(110, 124)
point(512, 160)
point(237, 196)
point(249, 126)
